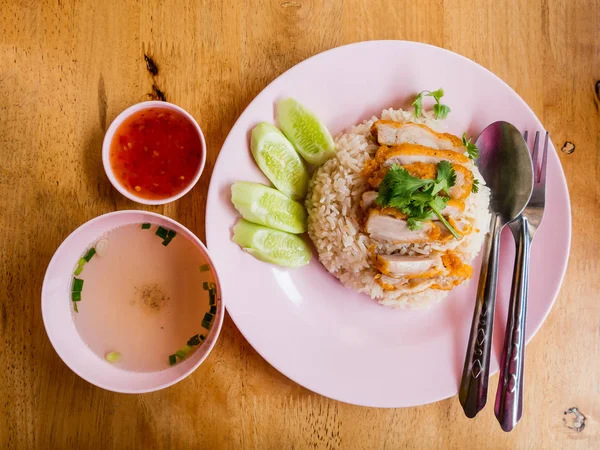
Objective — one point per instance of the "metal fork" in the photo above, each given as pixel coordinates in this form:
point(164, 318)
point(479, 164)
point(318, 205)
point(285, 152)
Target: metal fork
point(509, 396)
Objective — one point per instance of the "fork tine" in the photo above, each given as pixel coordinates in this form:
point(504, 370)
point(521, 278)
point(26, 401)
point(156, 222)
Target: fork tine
point(534, 155)
point(542, 175)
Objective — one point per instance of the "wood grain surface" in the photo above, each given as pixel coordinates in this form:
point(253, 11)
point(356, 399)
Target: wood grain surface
point(68, 67)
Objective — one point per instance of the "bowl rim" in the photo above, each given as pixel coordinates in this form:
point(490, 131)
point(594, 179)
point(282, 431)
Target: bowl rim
point(110, 132)
point(212, 334)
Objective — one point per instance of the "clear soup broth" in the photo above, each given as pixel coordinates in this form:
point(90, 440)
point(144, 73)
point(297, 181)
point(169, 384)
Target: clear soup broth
point(147, 293)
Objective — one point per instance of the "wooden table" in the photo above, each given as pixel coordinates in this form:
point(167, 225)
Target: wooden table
point(68, 67)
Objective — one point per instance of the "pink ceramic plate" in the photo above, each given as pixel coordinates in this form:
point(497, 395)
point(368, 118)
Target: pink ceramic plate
point(304, 322)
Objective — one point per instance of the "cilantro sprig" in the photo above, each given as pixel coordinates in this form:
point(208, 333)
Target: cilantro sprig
point(420, 199)
point(439, 109)
point(472, 149)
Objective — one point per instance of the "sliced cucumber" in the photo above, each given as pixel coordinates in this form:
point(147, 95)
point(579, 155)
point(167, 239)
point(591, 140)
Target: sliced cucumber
point(266, 244)
point(304, 129)
point(263, 205)
point(279, 161)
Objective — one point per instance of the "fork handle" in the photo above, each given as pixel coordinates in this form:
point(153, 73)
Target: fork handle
point(474, 382)
point(509, 396)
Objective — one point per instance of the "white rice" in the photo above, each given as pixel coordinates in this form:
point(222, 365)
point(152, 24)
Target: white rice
point(333, 204)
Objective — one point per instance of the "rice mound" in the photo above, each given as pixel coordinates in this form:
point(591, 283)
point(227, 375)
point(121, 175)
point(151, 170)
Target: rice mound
point(333, 205)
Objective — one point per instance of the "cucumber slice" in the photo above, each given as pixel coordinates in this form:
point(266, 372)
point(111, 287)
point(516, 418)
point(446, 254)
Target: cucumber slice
point(279, 161)
point(263, 205)
point(304, 129)
point(277, 247)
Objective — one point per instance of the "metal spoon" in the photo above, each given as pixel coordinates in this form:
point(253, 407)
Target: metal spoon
point(505, 164)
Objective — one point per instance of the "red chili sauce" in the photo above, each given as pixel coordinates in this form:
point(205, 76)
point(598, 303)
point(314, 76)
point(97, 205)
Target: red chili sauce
point(156, 153)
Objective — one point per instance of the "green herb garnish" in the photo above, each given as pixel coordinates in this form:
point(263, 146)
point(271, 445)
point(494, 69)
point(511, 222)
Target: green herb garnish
point(76, 296)
point(186, 349)
point(207, 321)
point(80, 265)
point(420, 199)
point(202, 337)
point(171, 234)
point(166, 242)
point(205, 285)
point(162, 232)
point(204, 268)
point(194, 340)
point(213, 309)
point(440, 110)
point(472, 149)
point(77, 285)
point(91, 252)
point(212, 294)
point(145, 226)
point(183, 351)
point(112, 357)
point(475, 187)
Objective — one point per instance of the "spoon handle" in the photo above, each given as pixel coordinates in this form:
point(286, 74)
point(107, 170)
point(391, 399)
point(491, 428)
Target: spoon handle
point(509, 396)
point(474, 382)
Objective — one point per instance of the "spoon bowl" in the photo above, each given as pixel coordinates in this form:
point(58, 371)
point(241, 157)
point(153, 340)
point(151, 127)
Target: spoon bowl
point(505, 164)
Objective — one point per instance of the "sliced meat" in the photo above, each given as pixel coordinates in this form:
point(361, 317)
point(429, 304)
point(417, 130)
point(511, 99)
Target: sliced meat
point(456, 272)
point(464, 182)
point(462, 225)
point(454, 208)
point(383, 227)
point(411, 153)
point(462, 187)
point(407, 266)
point(446, 276)
point(389, 132)
point(403, 285)
point(367, 200)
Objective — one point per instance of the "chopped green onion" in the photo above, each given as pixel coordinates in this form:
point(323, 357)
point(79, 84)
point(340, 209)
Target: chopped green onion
point(212, 285)
point(77, 285)
point(161, 232)
point(207, 321)
point(166, 242)
point(172, 360)
point(186, 349)
point(194, 340)
point(171, 234)
point(145, 226)
point(76, 296)
point(213, 309)
point(112, 357)
point(204, 268)
point(78, 270)
point(202, 337)
point(75, 307)
point(212, 295)
point(81, 262)
point(180, 354)
point(205, 285)
point(91, 252)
